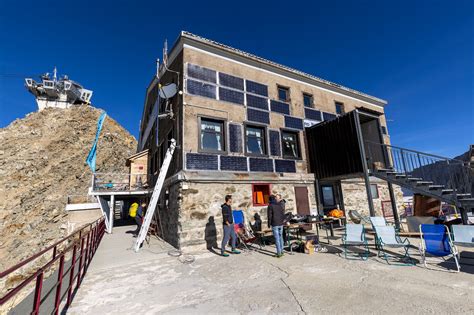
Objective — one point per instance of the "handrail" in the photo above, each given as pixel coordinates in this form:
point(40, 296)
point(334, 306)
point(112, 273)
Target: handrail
point(414, 151)
point(87, 248)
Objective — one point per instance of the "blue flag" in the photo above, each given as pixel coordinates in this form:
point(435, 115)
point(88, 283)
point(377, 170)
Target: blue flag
point(92, 154)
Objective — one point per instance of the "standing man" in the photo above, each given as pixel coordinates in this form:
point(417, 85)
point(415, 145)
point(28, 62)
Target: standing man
point(139, 218)
point(276, 216)
point(228, 227)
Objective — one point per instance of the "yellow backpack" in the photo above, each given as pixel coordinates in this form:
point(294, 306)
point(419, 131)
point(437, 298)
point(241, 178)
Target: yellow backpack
point(132, 211)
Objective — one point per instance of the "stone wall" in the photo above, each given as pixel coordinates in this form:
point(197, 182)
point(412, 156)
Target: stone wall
point(198, 220)
point(355, 196)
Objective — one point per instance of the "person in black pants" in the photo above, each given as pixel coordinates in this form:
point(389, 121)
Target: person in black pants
point(139, 218)
point(228, 227)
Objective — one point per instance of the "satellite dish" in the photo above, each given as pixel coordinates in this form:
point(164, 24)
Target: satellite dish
point(168, 91)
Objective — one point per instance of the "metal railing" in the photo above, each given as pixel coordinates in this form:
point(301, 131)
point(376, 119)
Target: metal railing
point(120, 181)
point(451, 173)
point(70, 259)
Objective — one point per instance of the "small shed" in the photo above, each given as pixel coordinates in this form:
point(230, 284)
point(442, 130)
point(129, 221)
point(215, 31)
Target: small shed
point(138, 176)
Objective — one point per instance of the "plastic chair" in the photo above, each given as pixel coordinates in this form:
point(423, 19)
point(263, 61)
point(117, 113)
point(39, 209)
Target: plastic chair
point(355, 236)
point(386, 236)
point(463, 235)
point(436, 241)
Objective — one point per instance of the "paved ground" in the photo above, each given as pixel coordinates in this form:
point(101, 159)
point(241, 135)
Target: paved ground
point(151, 282)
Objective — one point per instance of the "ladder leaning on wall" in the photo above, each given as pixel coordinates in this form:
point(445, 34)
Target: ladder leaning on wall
point(154, 197)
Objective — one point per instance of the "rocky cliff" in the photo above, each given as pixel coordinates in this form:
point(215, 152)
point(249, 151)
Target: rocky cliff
point(42, 161)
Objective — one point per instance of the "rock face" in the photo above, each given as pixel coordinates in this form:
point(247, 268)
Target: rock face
point(42, 161)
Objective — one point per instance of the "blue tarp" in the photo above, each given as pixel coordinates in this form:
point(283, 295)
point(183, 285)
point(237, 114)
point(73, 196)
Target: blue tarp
point(92, 154)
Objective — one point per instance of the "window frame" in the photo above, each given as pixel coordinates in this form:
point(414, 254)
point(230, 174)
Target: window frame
point(224, 134)
point(269, 193)
point(311, 98)
point(265, 135)
point(376, 189)
point(298, 146)
point(287, 89)
point(336, 104)
point(333, 196)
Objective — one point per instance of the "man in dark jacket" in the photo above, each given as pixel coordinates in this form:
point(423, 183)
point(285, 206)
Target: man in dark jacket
point(276, 216)
point(228, 227)
point(139, 217)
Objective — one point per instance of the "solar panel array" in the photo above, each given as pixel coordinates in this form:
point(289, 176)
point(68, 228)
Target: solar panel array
point(201, 73)
point(235, 138)
point(293, 122)
point(195, 161)
point(256, 88)
point(233, 163)
point(201, 89)
point(285, 166)
point(280, 107)
point(231, 96)
point(231, 81)
point(257, 102)
point(258, 116)
point(328, 116)
point(261, 165)
point(274, 138)
point(312, 114)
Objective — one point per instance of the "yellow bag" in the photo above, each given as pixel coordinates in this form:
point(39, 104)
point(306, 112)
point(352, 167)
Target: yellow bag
point(132, 211)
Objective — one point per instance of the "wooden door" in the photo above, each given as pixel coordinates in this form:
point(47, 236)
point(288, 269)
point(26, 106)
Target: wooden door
point(302, 204)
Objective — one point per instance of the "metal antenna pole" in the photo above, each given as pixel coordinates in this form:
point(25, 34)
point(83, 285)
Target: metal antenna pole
point(154, 197)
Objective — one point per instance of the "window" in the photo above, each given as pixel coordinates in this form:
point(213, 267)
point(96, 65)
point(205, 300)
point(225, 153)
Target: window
point(328, 195)
point(307, 100)
point(375, 191)
point(255, 141)
point(283, 94)
point(260, 194)
point(339, 108)
point(289, 144)
point(384, 130)
point(212, 135)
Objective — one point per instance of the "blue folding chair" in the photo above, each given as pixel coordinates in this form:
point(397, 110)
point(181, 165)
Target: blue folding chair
point(355, 236)
point(244, 234)
point(436, 241)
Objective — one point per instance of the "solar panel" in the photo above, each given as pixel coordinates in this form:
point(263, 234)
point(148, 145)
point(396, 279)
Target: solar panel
point(257, 102)
point(201, 89)
point(233, 163)
point(312, 114)
point(235, 138)
point(231, 81)
point(285, 166)
point(261, 165)
point(231, 96)
point(293, 122)
point(328, 116)
point(196, 161)
point(280, 107)
point(274, 138)
point(258, 116)
point(201, 73)
point(256, 88)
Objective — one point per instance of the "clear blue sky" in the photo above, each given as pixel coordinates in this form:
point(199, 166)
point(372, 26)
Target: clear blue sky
point(418, 55)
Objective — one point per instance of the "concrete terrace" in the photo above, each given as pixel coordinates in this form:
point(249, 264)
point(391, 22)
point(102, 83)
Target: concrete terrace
point(151, 282)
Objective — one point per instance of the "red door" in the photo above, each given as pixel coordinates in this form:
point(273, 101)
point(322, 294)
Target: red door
point(302, 203)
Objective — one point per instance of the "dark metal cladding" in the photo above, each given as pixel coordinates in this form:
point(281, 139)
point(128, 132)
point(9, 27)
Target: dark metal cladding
point(233, 163)
point(195, 161)
point(261, 165)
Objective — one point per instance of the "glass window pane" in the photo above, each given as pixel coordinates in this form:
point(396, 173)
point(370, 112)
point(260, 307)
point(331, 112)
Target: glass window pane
point(308, 100)
point(328, 195)
point(374, 190)
point(255, 140)
point(290, 145)
point(211, 135)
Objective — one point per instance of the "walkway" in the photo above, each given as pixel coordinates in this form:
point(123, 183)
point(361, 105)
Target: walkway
point(151, 282)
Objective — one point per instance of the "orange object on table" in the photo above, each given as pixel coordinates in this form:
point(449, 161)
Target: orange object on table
point(336, 213)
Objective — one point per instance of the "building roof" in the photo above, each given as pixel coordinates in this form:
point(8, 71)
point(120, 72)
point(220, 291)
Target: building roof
point(136, 156)
point(314, 79)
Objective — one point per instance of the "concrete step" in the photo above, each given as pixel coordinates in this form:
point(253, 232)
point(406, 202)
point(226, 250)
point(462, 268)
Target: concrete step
point(447, 191)
point(384, 170)
point(400, 175)
point(423, 183)
point(435, 187)
point(414, 179)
